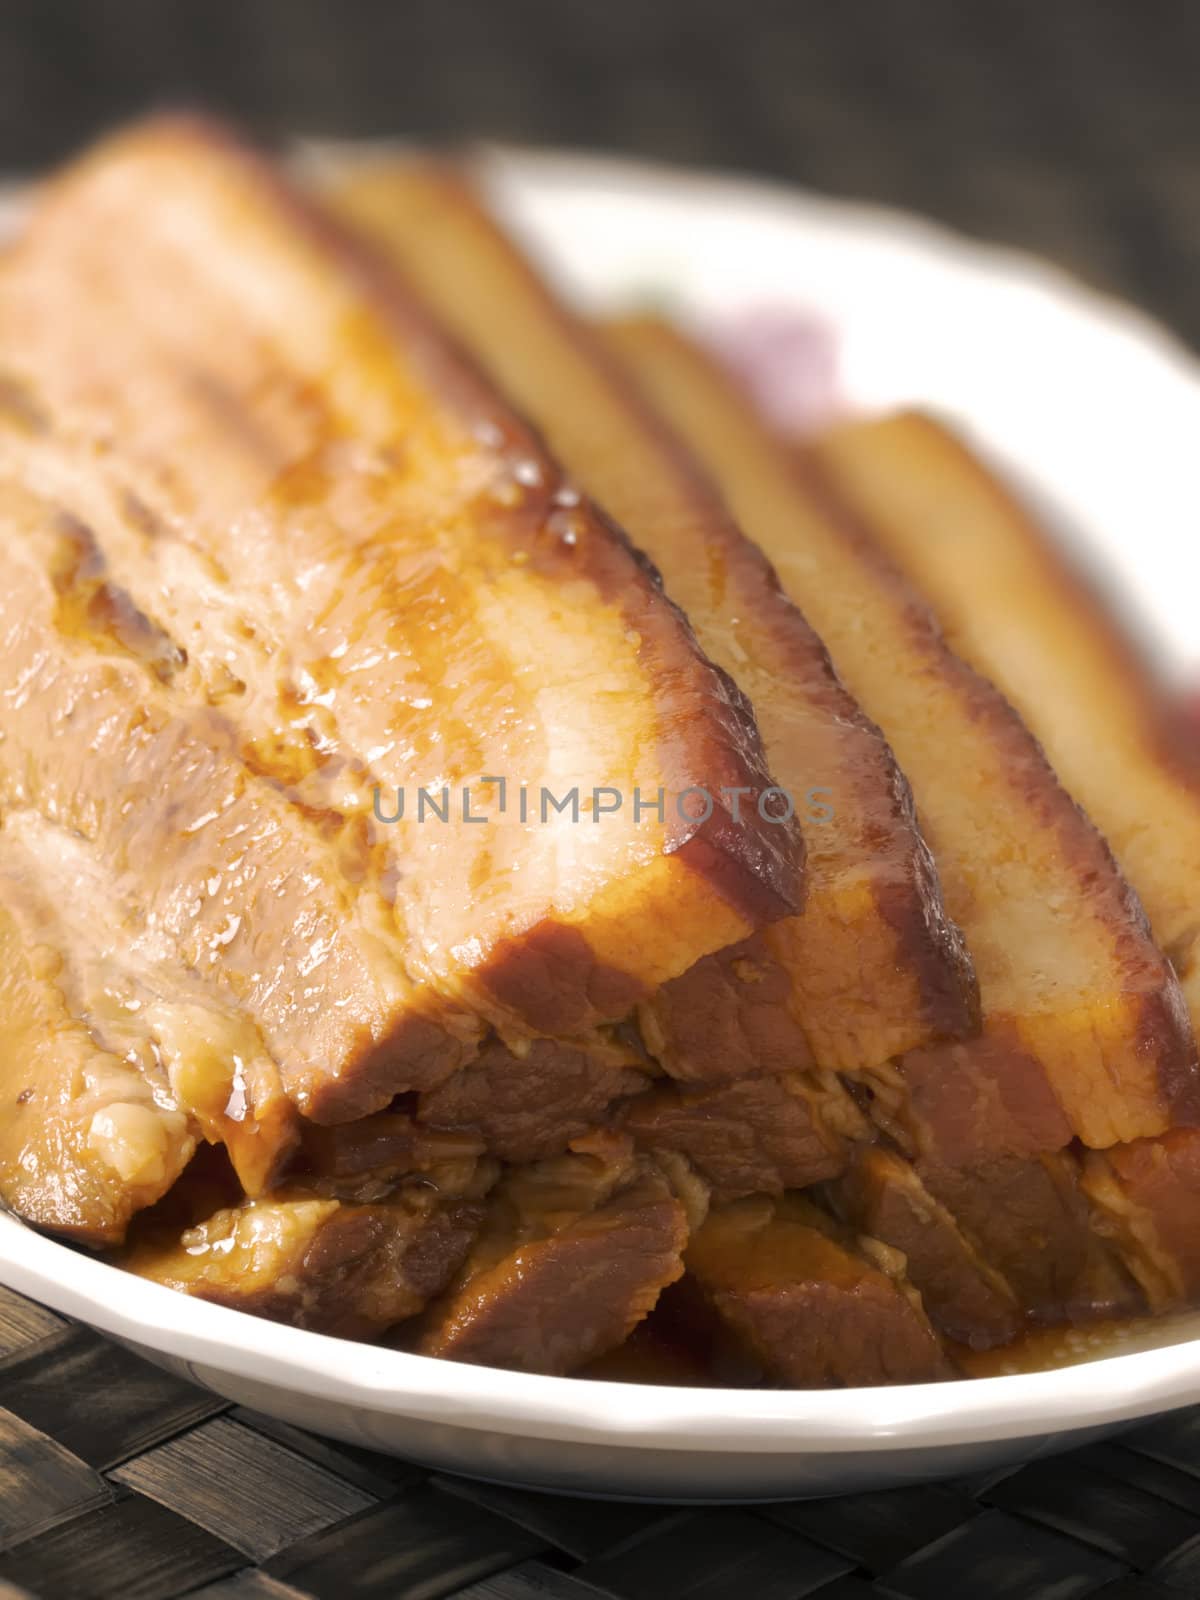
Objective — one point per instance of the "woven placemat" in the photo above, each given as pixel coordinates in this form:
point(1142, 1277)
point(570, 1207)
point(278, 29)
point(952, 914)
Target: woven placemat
point(1066, 126)
point(120, 1482)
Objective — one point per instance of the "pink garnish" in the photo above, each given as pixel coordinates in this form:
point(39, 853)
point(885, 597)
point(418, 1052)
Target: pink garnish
point(787, 362)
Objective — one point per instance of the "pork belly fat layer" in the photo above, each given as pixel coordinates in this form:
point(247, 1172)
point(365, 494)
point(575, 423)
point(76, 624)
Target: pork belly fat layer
point(873, 967)
point(1066, 965)
point(809, 1308)
point(380, 578)
point(573, 1254)
point(1012, 603)
point(349, 1270)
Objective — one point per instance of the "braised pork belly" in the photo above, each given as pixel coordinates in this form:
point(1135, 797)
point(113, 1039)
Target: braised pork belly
point(370, 1159)
point(85, 1140)
point(1013, 603)
point(966, 1298)
point(224, 879)
point(1073, 987)
point(377, 580)
point(573, 1254)
point(334, 542)
point(761, 1135)
point(191, 1065)
point(339, 1267)
point(811, 1308)
point(874, 966)
point(528, 1102)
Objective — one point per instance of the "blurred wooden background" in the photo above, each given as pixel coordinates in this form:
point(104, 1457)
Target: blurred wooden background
point(1069, 126)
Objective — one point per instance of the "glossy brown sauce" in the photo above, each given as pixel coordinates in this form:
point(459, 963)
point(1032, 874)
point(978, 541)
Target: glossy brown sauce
point(678, 1345)
point(1044, 1349)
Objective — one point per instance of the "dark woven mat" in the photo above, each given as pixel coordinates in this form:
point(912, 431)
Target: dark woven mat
point(1069, 126)
point(118, 1482)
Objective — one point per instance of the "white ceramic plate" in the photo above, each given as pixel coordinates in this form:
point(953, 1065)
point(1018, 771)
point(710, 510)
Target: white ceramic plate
point(1098, 411)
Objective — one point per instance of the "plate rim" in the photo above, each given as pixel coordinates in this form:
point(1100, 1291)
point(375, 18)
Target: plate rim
point(761, 1422)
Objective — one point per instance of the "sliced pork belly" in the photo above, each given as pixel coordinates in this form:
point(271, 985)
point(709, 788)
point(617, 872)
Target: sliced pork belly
point(384, 583)
point(1012, 603)
point(1031, 1221)
point(756, 1136)
point(874, 966)
point(982, 1199)
point(1146, 1198)
point(573, 1254)
point(349, 1269)
point(987, 1138)
point(195, 1052)
point(958, 1105)
point(529, 1103)
point(228, 879)
point(370, 1159)
point(85, 1139)
point(811, 1309)
point(1071, 981)
point(679, 1344)
point(966, 1299)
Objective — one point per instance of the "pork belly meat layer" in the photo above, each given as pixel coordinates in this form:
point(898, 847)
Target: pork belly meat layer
point(1013, 604)
point(956, 1105)
point(528, 1103)
point(574, 1252)
point(1070, 978)
point(756, 1136)
point(966, 1298)
point(811, 1309)
point(371, 1159)
point(874, 966)
point(1031, 1221)
point(338, 1268)
point(977, 1181)
point(1146, 1197)
point(382, 581)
